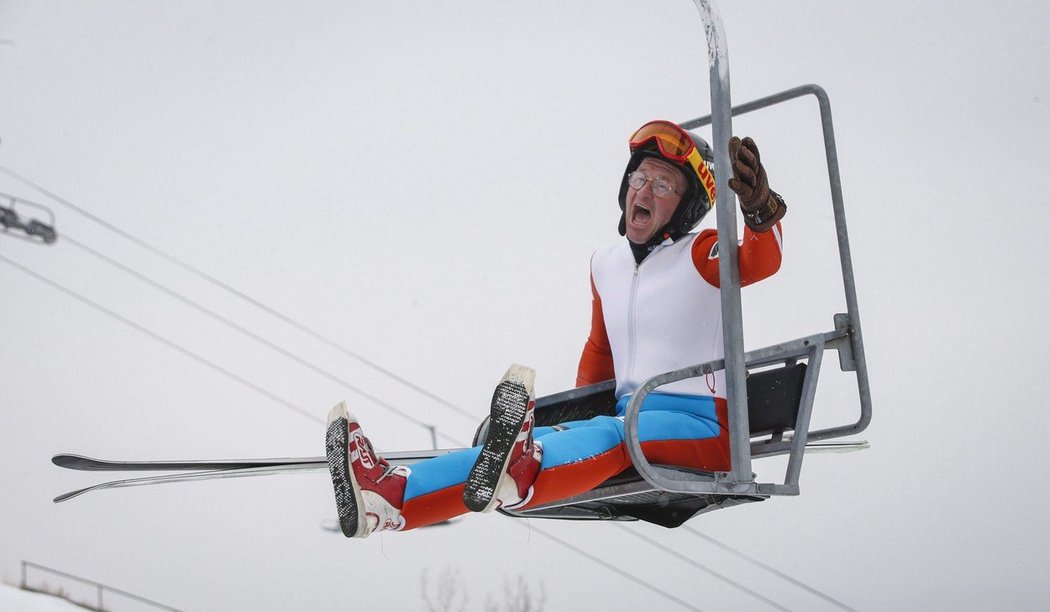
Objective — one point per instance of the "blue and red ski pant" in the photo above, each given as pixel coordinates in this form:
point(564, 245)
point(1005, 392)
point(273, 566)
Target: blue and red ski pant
point(688, 431)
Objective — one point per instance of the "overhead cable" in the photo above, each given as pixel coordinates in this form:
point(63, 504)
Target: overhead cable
point(211, 279)
point(186, 351)
point(706, 569)
point(612, 568)
point(768, 568)
point(161, 339)
point(303, 362)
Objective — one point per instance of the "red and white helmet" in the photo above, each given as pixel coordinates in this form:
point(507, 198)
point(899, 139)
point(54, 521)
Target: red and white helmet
point(667, 141)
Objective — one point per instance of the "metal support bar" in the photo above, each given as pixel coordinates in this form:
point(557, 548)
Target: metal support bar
point(809, 347)
point(801, 432)
point(728, 261)
point(852, 322)
point(98, 585)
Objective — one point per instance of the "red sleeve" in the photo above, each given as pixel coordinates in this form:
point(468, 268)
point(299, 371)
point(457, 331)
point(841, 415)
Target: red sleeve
point(760, 255)
point(596, 363)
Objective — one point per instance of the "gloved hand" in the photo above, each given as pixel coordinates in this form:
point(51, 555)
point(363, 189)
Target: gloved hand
point(761, 206)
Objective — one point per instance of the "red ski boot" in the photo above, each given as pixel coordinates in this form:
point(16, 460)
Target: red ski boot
point(368, 490)
point(505, 470)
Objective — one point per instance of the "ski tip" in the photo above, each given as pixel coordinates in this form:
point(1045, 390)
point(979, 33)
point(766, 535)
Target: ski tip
point(68, 496)
point(846, 446)
point(521, 374)
point(66, 459)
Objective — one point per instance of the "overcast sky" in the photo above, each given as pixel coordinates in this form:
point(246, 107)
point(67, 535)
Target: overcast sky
point(422, 184)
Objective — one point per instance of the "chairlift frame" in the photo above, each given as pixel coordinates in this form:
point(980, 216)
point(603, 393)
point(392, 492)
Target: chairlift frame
point(663, 485)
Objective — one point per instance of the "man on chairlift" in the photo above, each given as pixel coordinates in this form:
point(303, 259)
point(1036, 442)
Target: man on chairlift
point(656, 308)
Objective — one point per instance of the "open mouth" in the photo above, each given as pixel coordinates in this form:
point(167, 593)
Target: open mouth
point(640, 215)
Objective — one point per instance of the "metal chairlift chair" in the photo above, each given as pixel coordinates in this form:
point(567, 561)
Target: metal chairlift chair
point(777, 396)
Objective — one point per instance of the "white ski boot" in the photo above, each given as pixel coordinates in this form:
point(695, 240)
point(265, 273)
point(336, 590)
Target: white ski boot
point(369, 492)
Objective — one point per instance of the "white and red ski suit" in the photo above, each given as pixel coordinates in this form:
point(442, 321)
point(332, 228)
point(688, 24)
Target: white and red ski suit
point(649, 318)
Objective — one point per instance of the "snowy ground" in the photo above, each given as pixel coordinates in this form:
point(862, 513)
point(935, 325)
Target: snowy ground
point(15, 599)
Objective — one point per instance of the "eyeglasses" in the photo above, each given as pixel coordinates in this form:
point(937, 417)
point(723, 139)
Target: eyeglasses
point(661, 186)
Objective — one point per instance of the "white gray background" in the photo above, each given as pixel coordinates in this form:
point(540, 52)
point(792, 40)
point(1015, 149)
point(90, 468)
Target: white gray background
point(423, 183)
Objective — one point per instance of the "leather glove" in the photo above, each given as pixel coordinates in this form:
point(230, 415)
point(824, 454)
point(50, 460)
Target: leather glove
point(761, 206)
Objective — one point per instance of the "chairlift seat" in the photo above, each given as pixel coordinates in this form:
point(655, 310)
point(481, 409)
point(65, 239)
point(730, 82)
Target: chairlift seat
point(773, 406)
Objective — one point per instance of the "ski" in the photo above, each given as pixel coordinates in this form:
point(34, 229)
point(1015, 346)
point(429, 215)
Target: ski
point(193, 476)
point(209, 470)
point(90, 464)
point(845, 446)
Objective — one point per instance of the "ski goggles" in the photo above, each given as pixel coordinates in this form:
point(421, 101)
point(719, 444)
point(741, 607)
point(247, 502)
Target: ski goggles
point(675, 144)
